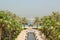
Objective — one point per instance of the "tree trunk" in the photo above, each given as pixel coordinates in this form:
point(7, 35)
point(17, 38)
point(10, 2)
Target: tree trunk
point(24, 25)
point(10, 36)
point(37, 25)
point(0, 33)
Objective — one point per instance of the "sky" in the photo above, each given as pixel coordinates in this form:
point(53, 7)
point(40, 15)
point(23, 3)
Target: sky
point(30, 8)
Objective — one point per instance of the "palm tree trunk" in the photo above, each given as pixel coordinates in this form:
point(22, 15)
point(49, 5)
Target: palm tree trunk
point(24, 25)
point(10, 38)
point(37, 26)
point(0, 33)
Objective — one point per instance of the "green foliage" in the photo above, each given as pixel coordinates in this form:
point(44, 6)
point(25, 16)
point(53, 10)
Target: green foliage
point(51, 26)
point(11, 26)
point(24, 21)
point(36, 21)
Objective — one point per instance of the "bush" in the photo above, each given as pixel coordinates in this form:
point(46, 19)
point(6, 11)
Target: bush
point(11, 25)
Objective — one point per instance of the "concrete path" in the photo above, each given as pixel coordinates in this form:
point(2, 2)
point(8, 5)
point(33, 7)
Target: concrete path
point(31, 36)
point(23, 35)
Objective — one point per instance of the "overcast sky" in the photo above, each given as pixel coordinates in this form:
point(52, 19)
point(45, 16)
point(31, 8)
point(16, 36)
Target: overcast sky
point(30, 8)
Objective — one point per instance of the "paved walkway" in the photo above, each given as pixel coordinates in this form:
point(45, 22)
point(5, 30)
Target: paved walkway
point(23, 35)
point(31, 36)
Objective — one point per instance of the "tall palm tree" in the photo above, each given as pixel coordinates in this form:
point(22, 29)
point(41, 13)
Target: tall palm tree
point(10, 25)
point(1, 21)
point(24, 21)
point(56, 16)
point(0, 30)
point(36, 21)
point(50, 26)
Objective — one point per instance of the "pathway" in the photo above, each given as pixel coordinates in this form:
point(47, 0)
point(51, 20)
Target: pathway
point(23, 35)
point(31, 36)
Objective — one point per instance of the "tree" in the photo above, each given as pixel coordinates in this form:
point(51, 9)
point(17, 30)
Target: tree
point(0, 29)
point(37, 21)
point(1, 22)
point(51, 26)
point(24, 21)
point(9, 27)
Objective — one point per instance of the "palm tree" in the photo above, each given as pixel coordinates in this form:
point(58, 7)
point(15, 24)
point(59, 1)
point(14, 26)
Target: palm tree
point(51, 26)
point(10, 25)
point(24, 21)
point(36, 21)
point(56, 16)
point(0, 30)
point(1, 21)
